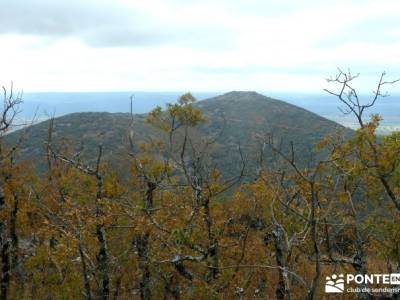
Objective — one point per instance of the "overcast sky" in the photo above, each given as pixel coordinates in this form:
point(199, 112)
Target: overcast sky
point(193, 45)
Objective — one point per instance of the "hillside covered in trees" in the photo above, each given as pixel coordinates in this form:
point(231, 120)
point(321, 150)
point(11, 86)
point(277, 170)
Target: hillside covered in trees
point(160, 206)
point(234, 119)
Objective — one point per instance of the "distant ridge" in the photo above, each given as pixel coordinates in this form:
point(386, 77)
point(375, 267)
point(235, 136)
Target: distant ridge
point(243, 117)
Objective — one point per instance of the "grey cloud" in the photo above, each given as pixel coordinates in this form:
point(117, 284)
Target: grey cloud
point(103, 23)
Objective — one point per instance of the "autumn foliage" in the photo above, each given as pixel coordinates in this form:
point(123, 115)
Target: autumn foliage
point(179, 229)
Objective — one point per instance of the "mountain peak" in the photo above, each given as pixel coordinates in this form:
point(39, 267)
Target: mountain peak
point(241, 93)
point(239, 116)
point(235, 97)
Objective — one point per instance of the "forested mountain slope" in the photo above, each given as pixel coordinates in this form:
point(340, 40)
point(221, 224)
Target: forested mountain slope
point(235, 118)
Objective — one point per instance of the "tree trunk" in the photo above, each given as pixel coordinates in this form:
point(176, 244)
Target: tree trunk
point(141, 243)
point(85, 274)
point(13, 233)
point(282, 289)
point(213, 248)
point(359, 265)
point(4, 252)
point(102, 257)
point(103, 261)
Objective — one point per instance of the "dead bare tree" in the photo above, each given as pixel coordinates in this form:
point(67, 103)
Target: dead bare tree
point(103, 257)
point(348, 95)
point(10, 109)
point(358, 259)
point(354, 105)
point(186, 159)
point(192, 162)
point(8, 237)
point(367, 152)
point(310, 178)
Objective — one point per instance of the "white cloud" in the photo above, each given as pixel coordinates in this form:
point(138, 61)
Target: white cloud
point(194, 45)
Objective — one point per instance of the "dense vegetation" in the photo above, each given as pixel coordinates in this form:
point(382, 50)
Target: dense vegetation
point(180, 229)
